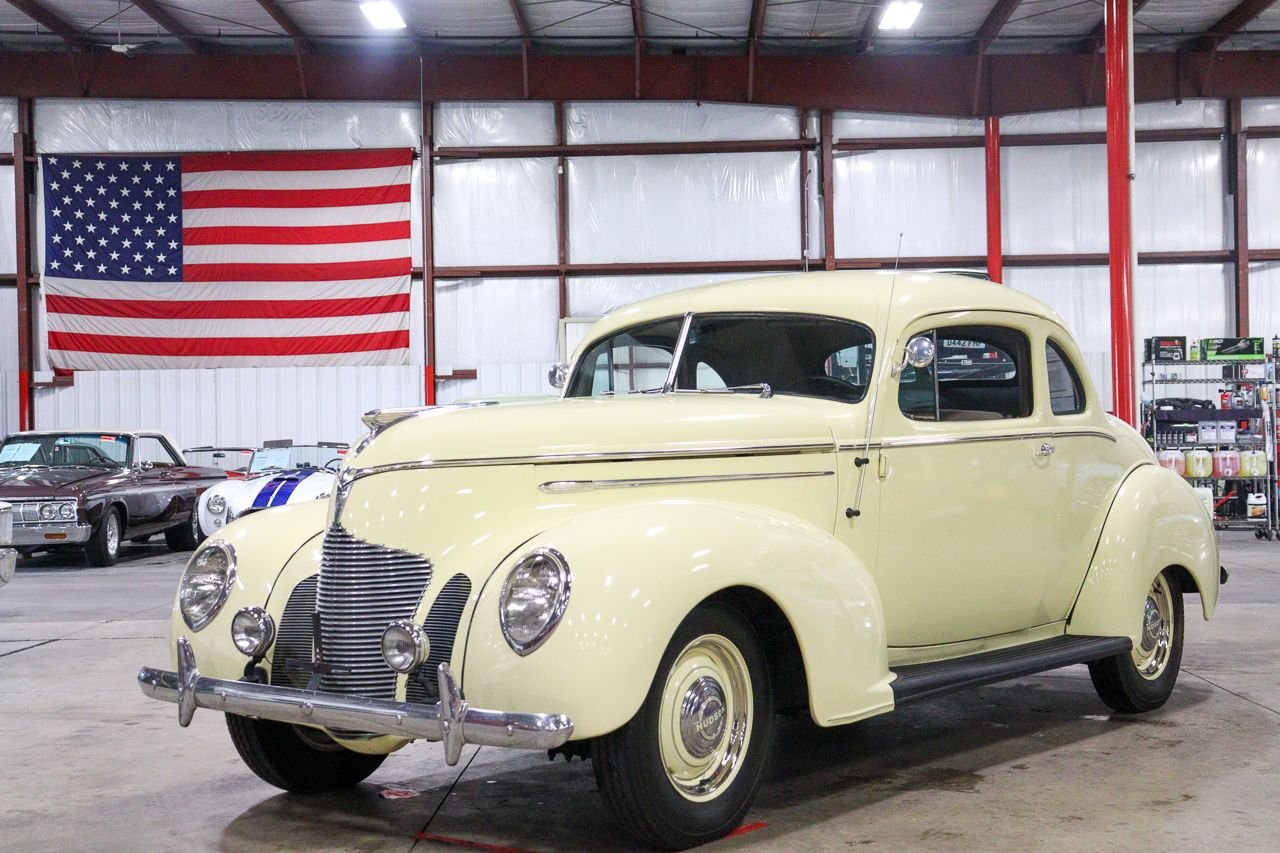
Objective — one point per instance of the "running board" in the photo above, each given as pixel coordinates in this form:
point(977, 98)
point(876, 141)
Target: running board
point(931, 680)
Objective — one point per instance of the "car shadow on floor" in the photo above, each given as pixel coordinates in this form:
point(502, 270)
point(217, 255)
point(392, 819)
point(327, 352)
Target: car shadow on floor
point(50, 562)
point(814, 774)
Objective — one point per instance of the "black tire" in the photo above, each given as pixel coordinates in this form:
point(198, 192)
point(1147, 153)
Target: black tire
point(141, 540)
point(1118, 679)
point(103, 547)
point(629, 763)
point(302, 761)
point(186, 536)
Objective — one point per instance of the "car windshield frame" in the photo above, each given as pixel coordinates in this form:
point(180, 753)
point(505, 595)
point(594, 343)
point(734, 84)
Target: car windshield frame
point(292, 463)
point(48, 441)
point(680, 353)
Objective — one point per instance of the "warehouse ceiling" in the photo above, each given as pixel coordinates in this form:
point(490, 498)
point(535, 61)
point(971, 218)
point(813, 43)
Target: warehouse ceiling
point(620, 26)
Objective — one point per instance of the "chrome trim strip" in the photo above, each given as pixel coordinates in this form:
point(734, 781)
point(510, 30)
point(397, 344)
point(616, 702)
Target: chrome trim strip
point(934, 440)
point(349, 475)
point(563, 486)
point(451, 720)
point(1085, 433)
point(670, 382)
point(33, 533)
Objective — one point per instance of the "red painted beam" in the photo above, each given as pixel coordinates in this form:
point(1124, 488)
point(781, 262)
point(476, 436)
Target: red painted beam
point(1231, 23)
point(995, 243)
point(1119, 51)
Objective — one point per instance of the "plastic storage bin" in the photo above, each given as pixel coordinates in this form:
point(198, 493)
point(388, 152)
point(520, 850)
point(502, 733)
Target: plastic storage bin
point(1174, 460)
point(1226, 463)
point(1199, 463)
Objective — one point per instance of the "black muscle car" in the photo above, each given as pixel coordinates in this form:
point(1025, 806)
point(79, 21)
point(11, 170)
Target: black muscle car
point(93, 490)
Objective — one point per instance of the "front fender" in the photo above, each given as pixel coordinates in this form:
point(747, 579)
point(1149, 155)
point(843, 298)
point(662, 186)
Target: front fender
point(639, 569)
point(1156, 521)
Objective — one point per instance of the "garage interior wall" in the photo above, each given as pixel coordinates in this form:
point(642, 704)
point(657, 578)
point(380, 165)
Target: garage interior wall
point(497, 329)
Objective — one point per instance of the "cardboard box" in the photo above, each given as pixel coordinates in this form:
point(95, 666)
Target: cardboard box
point(1233, 349)
point(1226, 432)
point(1165, 348)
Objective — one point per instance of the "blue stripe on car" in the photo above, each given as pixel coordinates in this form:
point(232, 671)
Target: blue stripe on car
point(281, 495)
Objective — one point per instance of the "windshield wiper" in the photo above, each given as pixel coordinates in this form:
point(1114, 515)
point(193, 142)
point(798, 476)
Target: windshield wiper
point(764, 389)
point(657, 390)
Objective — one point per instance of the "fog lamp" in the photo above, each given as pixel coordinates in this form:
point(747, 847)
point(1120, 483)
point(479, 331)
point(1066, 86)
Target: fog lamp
point(404, 646)
point(252, 630)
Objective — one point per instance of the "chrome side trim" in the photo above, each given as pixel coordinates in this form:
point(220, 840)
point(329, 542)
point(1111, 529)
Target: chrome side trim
point(349, 475)
point(1085, 433)
point(563, 486)
point(670, 382)
point(451, 720)
point(924, 441)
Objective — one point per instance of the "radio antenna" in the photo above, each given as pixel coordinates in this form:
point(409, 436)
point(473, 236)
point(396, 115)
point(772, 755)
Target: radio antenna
point(863, 459)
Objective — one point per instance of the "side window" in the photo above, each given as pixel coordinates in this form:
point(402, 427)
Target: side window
point(637, 359)
point(980, 373)
point(1066, 394)
point(151, 449)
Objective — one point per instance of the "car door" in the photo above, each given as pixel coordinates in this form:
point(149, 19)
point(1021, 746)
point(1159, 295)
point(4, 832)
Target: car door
point(963, 503)
point(158, 501)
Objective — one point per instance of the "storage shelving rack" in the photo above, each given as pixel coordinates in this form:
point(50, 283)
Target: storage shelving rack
point(1171, 428)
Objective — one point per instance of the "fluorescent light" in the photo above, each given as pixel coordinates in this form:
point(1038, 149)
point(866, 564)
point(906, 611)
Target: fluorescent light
point(899, 15)
point(384, 15)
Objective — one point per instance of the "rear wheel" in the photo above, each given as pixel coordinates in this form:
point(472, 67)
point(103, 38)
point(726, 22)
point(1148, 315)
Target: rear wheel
point(103, 547)
point(684, 770)
point(1142, 679)
point(296, 758)
point(186, 536)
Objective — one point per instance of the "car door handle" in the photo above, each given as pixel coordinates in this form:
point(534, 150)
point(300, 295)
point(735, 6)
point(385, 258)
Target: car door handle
point(1046, 449)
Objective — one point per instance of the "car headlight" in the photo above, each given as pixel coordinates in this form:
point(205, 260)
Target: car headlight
point(534, 598)
point(206, 583)
point(67, 511)
point(405, 646)
point(217, 505)
point(252, 630)
point(48, 512)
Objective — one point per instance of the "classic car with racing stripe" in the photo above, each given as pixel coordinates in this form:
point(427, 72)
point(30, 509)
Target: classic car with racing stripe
point(752, 498)
point(278, 473)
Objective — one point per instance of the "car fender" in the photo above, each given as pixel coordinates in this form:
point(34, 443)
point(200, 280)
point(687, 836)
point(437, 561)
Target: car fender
point(637, 572)
point(1155, 521)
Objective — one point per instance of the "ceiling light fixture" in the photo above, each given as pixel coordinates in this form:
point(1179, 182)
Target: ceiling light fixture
point(900, 15)
point(384, 15)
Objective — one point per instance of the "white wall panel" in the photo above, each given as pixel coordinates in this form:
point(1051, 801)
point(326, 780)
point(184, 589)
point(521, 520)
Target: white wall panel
point(1160, 115)
point(846, 125)
point(467, 124)
point(698, 207)
point(677, 122)
point(8, 233)
point(8, 328)
point(495, 212)
point(231, 406)
point(1260, 112)
point(595, 296)
point(1264, 299)
point(1179, 197)
point(1264, 193)
point(8, 401)
point(935, 198)
point(8, 118)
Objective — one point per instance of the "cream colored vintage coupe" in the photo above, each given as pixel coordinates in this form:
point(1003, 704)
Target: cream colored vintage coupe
point(831, 494)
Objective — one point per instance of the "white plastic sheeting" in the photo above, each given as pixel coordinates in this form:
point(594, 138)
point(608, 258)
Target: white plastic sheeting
point(1264, 193)
point(698, 207)
point(8, 118)
point(504, 328)
point(1260, 112)
point(1264, 298)
point(876, 126)
point(611, 122)
point(1158, 115)
point(8, 234)
point(231, 406)
point(495, 212)
point(474, 124)
point(8, 328)
point(595, 296)
point(934, 198)
point(8, 402)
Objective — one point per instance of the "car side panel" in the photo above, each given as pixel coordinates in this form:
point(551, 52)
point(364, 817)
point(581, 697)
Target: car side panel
point(633, 585)
point(1156, 521)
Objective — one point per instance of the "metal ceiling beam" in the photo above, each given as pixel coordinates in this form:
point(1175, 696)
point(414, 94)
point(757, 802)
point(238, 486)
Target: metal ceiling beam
point(1093, 41)
point(756, 25)
point(526, 35)
point(999, 16)
point(637, 22)
point(1231, 23)
point(869, 28)
point(921, 84)
point(157, 12)
point(289, 25)
point(50, 21)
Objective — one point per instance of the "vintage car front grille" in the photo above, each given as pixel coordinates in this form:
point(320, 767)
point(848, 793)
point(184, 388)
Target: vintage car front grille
point(293, 637)
point(441, 629)
point(362, 588)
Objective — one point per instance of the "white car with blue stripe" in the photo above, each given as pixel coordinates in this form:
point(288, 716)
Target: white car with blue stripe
point(279, 473)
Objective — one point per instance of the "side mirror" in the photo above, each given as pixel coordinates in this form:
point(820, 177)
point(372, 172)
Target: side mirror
point(918, 353)
point(146, 465)
point(558, 375)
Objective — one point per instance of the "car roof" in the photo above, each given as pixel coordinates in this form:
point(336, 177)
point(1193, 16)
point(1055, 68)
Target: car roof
point(132, 433)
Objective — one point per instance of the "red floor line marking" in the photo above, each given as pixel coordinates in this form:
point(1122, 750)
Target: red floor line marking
point(471, 845)
point(748, 827)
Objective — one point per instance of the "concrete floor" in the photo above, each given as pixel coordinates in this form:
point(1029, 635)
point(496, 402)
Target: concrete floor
point(89, 764)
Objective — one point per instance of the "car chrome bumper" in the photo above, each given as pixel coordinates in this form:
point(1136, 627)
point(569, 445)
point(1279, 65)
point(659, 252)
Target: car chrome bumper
point(450, 720)
point(8, 564)
point(40, 533)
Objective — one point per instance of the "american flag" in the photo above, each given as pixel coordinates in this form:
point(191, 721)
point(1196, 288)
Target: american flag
point(227, 260)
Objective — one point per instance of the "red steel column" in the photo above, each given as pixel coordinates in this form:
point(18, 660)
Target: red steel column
point(995, 243)
point(1118, 18)
point(428, 256)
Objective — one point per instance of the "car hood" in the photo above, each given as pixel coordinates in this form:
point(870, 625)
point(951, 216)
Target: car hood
point(640, 425)
point(35, 481)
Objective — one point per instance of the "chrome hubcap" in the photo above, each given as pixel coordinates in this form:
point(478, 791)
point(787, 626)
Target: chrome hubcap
point(705, 720)
point(113, 533)
point(1152, 656)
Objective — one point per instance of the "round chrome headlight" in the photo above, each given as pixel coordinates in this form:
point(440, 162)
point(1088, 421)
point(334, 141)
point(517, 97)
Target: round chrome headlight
point(48, 512)
point(534, 598)
point(217, 505)
point(404, 646)
point(206, 583)
point(252, 630)
point(67, 511)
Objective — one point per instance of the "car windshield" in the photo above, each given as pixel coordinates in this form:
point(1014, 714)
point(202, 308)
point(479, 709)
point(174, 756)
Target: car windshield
point(296, 456)
point(66, 449)
point(793, 354)
point(226, 458)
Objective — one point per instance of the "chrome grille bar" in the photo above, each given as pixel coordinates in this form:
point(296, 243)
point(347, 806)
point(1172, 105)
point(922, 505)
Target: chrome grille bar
point(293, 637)
point(441, 628)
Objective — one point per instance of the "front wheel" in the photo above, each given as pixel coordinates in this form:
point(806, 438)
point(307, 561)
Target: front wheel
point(186, 536)
point(296, 758)
point(1142, 679)
point(103, 547)
point(684, 770)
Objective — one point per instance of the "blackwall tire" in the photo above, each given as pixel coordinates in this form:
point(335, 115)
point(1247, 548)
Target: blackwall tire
point(302, 761)
point(103, 547)
point(684, 770)
point(1143, 679)
point(186, 536)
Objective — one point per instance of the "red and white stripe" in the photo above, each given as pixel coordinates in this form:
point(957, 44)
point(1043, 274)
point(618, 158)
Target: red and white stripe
point(288, 258)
